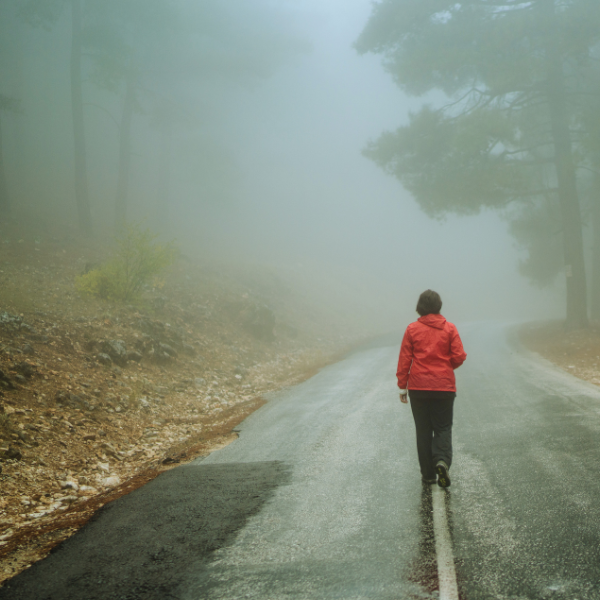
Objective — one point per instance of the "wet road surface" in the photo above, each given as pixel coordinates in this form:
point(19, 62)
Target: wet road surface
point(320, 497)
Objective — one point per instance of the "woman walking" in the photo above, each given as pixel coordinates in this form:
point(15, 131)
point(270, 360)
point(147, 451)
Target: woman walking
point(431, 350)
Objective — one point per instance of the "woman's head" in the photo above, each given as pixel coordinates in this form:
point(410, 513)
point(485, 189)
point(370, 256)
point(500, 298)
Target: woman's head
point(429, 303)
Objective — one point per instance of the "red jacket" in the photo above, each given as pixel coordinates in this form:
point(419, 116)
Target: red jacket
point(431, 350)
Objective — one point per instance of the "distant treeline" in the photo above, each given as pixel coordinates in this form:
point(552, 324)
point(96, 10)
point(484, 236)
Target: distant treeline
point(111, 105)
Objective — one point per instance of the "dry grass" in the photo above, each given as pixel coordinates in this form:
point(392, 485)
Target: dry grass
point(576, 352)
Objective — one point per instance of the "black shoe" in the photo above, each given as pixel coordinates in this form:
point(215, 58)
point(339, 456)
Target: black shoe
point(443, 477)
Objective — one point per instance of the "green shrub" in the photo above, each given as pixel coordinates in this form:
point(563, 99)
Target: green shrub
point(138, 259)
point(5, 424)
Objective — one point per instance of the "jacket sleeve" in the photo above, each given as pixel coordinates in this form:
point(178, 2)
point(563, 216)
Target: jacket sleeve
point(457, 352)
point(404, 361)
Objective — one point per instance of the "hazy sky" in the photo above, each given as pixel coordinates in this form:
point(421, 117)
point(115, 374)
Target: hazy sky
point(308, 195)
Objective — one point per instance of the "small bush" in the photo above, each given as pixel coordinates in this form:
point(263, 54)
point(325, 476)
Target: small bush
point(5, 424)
point(138, 260)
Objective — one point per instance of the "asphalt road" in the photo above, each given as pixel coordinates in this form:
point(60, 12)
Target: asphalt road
point(320, 497)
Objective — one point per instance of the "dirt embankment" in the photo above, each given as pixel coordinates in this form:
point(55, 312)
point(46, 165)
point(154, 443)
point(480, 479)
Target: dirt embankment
point(95, 400)
point(576, 352)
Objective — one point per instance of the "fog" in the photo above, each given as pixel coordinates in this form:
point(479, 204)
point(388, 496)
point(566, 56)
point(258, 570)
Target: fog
point(312, 196)
point(267, 169)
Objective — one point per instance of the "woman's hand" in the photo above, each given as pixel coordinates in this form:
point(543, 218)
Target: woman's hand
point(404, 398)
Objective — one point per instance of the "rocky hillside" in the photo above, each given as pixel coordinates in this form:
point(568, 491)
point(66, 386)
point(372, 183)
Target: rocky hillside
point(96, 399)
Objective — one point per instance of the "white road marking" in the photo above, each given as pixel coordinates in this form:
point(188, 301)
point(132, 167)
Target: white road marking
point(443, 547)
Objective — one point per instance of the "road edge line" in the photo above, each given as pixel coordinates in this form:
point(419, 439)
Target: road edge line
point(443, 547)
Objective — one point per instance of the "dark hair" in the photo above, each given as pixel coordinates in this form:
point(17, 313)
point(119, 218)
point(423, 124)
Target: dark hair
point(429, 303)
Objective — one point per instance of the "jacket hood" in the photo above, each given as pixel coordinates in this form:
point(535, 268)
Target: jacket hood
point(435, 321)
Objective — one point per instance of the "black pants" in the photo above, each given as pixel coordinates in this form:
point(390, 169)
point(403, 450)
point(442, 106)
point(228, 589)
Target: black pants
point(433, 421)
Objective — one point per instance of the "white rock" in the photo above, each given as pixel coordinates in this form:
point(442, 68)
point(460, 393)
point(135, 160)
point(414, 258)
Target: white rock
point(69, 485)
point(111, 482)
point(103, 467)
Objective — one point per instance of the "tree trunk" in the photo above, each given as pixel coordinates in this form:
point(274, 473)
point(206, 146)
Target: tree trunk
point(4, 203)
point(164, 173)
point(566, 177)
point(595, 300)
point(81, 182)
point(124, 156)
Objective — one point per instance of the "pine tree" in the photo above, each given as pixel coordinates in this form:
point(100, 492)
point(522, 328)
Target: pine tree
point(509, 133)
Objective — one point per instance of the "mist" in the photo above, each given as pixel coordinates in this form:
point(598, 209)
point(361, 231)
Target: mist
point(266, 165)
point(312, 199)
point(216, 220)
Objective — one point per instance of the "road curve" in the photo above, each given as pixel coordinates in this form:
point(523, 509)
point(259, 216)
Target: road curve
point(320, 497)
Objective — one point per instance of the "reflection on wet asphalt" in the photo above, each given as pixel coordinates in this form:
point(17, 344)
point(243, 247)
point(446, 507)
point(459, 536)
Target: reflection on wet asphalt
point(348, 524)
point(526, 501)
point(334, 506)
point(422, 568)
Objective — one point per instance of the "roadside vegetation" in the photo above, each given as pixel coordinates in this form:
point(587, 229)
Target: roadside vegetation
point(138, 261)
